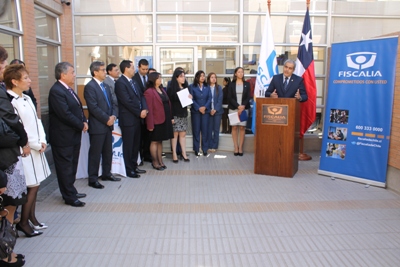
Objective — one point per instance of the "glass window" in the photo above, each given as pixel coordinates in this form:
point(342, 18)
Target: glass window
point(47, 58)
point(109, 54)
point(10, 43)
point(113, 29)
point(46, 25)
point(197, 5)
point(112, 6)
point(320, 6)
point(8, 14)
point(285, 29)
point(171, 58)
point(366, 8)
point(361, 28)
point(218, 60)
point(251, 56)
point(197, 28)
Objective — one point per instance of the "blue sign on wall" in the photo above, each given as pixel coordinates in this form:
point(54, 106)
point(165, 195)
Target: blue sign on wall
point(355, 143)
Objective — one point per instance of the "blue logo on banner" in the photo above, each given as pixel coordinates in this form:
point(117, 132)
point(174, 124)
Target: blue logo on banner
point(359, 104)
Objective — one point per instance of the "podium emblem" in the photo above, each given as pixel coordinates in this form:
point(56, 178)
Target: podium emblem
point(275, 114)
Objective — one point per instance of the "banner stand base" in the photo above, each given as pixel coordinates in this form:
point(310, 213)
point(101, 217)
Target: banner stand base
point(353, 179)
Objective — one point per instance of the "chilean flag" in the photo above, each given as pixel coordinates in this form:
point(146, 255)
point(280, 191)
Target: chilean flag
point(305, 69)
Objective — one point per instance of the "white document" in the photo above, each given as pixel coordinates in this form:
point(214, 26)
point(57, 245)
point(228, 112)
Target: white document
point(184, 97)
point(233, 118)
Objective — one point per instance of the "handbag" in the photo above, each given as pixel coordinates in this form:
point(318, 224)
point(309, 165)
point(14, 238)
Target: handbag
point(8, 236)
point(8, 138)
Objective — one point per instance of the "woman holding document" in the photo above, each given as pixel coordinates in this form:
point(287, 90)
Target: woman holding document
point(179, 113)
point(239, 89)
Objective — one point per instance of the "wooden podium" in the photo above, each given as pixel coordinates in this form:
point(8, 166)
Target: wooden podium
point(277, 136)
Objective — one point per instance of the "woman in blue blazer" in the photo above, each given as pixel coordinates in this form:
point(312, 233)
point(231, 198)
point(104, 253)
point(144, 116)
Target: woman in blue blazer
point(216, 112)
point(200, 112)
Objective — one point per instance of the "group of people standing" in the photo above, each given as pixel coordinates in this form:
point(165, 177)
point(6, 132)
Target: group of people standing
point(23, 165)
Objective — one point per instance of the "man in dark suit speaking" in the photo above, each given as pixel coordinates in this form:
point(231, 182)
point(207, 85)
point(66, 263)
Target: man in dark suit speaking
point(67, 122)
point(132, 110)
point(287, 85)
point(101, 123)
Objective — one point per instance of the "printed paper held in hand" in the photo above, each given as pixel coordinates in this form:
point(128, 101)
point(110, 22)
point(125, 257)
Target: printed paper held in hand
point(184, 97)
point(233, 118)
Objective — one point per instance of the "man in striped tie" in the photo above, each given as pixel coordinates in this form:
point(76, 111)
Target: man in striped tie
point(101, 123)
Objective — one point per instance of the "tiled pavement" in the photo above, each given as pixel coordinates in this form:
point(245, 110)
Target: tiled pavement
point(216, 212)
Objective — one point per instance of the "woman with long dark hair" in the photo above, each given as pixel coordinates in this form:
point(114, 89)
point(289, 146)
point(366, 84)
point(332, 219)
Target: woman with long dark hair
point(216, 111)
point(200, 112)
point(238, 92)
point(179, 113)
point(226, 128)
point(159, 120)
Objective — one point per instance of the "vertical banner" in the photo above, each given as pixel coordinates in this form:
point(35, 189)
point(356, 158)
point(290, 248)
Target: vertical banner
point(358, 113)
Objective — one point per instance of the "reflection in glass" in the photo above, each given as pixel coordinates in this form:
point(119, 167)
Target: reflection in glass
point(113, 29)
point(112, 6)
point(10, 43)
point(8, 14)
point(109, 54)
point(171, 58)
point(380, 8)
point(197, 28)
point(46, 25)
point(47, 58)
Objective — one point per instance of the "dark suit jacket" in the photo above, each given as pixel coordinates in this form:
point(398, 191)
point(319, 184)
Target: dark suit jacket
point(66, 117)
point(201, 98)
point(156, 108)
point(129, 102)
point(232, 97)
point(218, 100)
point(295, 83)
point(139, 81)
point(99, 111)
point(111, 83)
point(9, 155)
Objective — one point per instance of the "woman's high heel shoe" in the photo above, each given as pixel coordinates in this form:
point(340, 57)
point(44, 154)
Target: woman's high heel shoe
point(159, 168)
point(41, 226)
point(185, 159)
point(34, 233)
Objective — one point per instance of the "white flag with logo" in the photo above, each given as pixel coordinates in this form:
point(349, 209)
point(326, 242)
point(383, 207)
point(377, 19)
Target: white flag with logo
point(267, 66)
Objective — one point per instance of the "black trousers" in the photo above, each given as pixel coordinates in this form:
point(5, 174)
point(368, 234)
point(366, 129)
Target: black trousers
point(100, 149)
point(66, 163)
point(130, 146)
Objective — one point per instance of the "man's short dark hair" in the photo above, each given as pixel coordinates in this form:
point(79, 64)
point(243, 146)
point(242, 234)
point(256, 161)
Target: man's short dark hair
point(3, 54)
point(124, 64)
point(143, 62)
point(17, 61)
point(110, 67)
point(61, 67)
point(95, 66)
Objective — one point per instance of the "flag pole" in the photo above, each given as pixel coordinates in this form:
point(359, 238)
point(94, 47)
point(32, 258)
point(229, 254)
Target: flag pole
point(303, 156)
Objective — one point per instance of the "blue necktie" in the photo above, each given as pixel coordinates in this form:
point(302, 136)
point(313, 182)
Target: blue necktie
point(285, 84)
point(105, 93)
point(134, 89)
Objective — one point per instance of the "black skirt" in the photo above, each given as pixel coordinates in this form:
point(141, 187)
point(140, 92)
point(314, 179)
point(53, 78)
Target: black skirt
point(164, 130)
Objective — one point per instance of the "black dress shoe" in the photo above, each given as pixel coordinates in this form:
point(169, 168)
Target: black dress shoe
point(205, 154)
point(133, 175)
point(76, 203)
point(80, 195)
point(96, 185)
point(197, 154)
point(111, 178)
point(137, 170)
